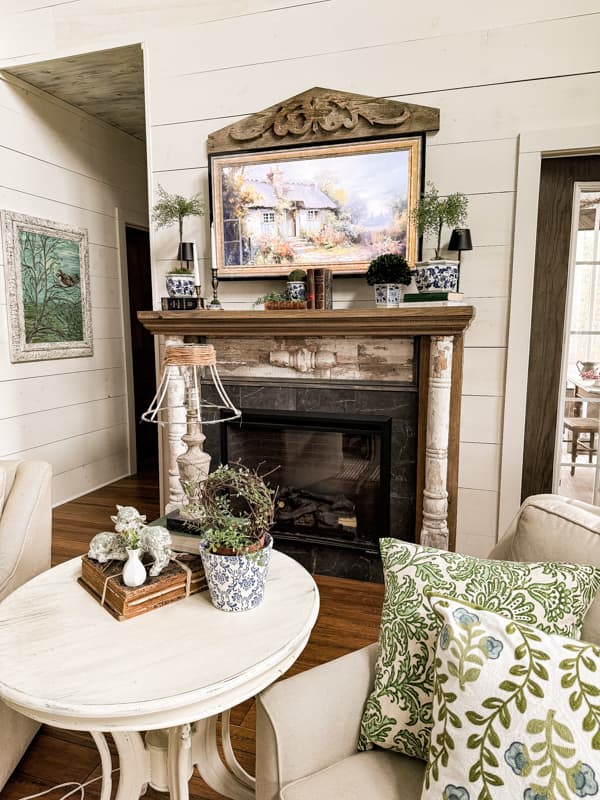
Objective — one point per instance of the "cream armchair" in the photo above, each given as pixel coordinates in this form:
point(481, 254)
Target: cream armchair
point(25, 537)
point(307, 726)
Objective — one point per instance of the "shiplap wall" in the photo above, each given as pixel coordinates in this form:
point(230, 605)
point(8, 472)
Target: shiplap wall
point(494, 71)
point(60, 164)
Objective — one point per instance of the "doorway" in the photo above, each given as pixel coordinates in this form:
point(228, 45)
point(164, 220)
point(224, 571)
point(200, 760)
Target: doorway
point(546, 392)
point(139, 279)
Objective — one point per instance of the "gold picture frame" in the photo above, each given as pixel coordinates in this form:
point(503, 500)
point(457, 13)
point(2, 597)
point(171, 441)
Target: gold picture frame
point(334, 205)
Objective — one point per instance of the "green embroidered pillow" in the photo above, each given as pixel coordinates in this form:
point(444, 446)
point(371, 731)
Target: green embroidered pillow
point(552, 596)
point(516, 711)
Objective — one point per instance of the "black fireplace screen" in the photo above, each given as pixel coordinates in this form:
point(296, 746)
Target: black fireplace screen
point(332, 473)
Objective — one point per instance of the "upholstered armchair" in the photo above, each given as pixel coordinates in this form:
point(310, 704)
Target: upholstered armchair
point(308, 725)
point(25, 537)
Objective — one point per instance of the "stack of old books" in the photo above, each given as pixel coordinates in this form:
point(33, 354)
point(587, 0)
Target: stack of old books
point(319, 288)
point(177, 580)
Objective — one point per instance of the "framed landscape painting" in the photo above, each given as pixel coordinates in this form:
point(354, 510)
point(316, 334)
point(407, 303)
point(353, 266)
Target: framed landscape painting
point(334, 205)
point(48, 293)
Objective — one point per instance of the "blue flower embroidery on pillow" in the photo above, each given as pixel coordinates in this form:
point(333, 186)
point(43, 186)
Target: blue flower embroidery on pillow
point(583, 780)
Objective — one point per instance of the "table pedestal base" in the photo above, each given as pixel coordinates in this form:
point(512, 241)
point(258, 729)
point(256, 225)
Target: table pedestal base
point(165, 760)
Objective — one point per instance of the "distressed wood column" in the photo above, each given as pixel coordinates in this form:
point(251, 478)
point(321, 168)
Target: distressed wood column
point(434, 532)
point(176, 429)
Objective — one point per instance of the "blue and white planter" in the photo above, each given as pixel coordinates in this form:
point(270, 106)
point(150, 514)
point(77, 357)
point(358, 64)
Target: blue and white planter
point(388, 295)
point(180, 285)
point(436, 276)
point(237, 583)
point(296, 290)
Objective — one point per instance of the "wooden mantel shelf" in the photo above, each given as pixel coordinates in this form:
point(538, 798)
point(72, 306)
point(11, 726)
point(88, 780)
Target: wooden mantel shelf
point(414, 319)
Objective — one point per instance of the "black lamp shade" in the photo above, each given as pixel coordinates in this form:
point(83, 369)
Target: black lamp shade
point(185, 251)
point(460, 240)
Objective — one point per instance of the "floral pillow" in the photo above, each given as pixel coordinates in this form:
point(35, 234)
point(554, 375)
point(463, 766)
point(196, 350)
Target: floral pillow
point(516, 711)
point(552, 596)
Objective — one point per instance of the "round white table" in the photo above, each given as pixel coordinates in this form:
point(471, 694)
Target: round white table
point(66, 662)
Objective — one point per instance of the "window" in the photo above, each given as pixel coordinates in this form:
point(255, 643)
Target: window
point(312, 213)
point(268, 217)
point(576, 467)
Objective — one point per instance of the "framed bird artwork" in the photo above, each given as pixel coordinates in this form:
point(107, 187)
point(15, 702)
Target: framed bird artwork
point(48, 288)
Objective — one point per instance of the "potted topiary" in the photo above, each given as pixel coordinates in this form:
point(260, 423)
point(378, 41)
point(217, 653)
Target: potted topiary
point(171, 209)
point(430, 216)
point(296, 285)
point(389, 274)
point(235, 514)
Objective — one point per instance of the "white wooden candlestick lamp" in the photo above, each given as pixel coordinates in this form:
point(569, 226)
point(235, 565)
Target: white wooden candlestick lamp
point(185, 368)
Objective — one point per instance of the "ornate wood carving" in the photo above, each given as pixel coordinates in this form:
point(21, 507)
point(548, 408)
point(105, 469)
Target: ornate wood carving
point(323, 115)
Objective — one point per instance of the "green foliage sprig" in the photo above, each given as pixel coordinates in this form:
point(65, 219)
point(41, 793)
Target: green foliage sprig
point(271, 297)
point(174, 208)
point(131, 538)
point(389, 268)
point(433, 212)
point(236, 509)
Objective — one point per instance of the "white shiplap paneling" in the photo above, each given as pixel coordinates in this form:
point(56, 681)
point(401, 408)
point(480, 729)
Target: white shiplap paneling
point(59, 164)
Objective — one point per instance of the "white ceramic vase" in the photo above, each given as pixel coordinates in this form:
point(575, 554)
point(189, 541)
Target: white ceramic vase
point(134, 572)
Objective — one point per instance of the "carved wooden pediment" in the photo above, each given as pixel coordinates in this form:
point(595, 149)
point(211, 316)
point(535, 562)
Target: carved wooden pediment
point(324, 115)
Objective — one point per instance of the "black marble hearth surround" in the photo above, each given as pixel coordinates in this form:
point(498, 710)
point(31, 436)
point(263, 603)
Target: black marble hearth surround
point(399, 404)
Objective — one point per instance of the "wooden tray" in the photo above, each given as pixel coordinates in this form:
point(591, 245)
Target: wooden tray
point(124, 602)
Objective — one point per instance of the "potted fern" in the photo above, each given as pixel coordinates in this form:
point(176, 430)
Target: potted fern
point(173, 209)
point(431, 215)
point(389, 274)
point(235, 514)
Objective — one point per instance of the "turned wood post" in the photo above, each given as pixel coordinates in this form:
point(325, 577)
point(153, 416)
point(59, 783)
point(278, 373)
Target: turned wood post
point(434, 532)
point(176, 429)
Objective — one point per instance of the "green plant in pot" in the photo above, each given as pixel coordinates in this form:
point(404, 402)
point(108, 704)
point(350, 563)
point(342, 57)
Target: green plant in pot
point(173, 209)
point(431, 216)
point(235, 515)
point(388, 273)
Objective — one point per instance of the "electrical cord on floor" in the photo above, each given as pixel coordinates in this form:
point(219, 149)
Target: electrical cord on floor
point(79, 787)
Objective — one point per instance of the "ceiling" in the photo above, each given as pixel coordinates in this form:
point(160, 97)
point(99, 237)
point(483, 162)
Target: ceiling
point(109, 84)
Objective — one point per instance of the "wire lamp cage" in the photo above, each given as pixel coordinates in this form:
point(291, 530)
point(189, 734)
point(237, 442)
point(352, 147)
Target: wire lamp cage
point(197, 365)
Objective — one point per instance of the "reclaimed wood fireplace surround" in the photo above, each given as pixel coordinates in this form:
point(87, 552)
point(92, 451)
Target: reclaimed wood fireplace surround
point(437, 331)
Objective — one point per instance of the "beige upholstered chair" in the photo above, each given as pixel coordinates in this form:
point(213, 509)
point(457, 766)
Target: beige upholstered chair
point(308, 725)
point(25, 534)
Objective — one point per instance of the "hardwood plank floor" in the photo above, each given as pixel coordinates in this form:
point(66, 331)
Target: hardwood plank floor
point(349, 619)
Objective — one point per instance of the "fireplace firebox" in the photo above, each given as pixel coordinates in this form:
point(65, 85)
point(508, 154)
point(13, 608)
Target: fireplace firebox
point(331, 473)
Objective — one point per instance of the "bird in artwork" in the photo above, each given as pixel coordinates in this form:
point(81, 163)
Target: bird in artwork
point(65, 279)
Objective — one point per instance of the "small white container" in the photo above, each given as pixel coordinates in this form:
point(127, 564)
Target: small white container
point(134, 572)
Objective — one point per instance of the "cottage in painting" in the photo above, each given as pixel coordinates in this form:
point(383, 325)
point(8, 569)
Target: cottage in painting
point(290, 210)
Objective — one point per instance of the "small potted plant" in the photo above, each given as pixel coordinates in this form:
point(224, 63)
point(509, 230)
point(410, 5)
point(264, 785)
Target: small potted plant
point(278, 300)
point(235, 515)
point(389, 274)
point(296, 285)
point(169, 210)
point(432, 213)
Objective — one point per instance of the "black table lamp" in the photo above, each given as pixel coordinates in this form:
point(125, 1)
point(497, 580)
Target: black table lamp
point(460, 240)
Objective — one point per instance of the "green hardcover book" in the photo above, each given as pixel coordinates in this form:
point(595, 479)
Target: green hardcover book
point(430, 297)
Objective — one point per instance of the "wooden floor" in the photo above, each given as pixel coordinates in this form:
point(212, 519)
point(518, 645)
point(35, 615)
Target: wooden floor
point(349, 619)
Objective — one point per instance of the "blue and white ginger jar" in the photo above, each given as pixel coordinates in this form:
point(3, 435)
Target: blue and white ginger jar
point(237, 583)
